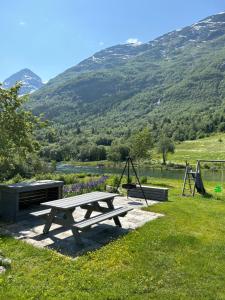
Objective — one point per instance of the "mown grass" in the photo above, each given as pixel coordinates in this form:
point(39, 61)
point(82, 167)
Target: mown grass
point(211, 148)
point(179, 256)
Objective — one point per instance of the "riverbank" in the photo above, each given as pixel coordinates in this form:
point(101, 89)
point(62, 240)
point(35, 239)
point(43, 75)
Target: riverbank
point(154, 164)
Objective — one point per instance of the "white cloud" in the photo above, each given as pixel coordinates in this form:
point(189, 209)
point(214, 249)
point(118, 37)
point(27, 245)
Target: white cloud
point(22, 23)
point(101, 43)
point(134, 41)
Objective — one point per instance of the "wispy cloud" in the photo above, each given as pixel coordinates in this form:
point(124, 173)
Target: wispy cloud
point(101, 43)
point(134, 41)
point(22, 23)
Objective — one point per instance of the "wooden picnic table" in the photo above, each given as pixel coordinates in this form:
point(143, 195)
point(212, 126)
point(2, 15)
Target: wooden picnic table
point(61, 211)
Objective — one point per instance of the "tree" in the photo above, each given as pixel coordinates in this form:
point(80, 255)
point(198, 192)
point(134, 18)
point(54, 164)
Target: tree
point(165, 146)
point(140, 144)
point(118, 153)
point(92, 153)
point(17, 126)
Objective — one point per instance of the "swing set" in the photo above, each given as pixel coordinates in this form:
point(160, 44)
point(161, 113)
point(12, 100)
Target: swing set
point(193, 179)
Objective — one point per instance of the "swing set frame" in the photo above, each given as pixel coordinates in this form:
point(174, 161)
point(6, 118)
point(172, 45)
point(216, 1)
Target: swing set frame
point(198, 171)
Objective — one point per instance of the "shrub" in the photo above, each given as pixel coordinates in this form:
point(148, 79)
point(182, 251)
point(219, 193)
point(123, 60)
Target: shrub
point(144, 179)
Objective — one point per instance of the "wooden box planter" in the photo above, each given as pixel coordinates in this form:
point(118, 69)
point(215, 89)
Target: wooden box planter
point(14, 197)
point(151, 193)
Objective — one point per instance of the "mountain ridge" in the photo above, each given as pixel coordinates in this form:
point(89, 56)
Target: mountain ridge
point(183, 67)
point(30, 81)
point(130, 50)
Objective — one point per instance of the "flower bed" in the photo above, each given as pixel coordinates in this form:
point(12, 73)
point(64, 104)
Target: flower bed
point(85, 187)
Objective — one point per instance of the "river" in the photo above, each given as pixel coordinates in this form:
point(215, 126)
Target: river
point(143, 171)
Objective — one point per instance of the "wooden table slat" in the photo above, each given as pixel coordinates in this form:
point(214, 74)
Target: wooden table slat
point(76, 201)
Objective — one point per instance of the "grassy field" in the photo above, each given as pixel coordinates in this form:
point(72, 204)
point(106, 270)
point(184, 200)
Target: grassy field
point(180, 256)
point(212, 147)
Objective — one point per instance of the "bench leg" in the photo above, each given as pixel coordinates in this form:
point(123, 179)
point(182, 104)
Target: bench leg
point(117, 221)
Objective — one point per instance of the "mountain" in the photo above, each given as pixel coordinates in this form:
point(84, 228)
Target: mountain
point(31, 82)
point(174, 84)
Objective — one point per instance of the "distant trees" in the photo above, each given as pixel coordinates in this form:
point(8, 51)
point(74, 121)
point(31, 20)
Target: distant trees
point(104, 141)
point(165, 146)
point(92, 153)
point(222, 127)
point(117, 153)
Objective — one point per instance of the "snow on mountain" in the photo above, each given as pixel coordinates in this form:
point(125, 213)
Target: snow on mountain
point(30, 81)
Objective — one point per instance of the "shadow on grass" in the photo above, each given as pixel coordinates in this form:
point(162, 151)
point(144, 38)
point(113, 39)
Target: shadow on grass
point(92, 239)
point(207, 196)
point(61, 238)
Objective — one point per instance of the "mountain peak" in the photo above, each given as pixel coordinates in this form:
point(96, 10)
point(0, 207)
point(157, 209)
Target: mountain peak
point(31, 81)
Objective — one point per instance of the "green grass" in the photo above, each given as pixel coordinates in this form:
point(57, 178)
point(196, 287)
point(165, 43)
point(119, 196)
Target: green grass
point(179, 256)
point(206, 148)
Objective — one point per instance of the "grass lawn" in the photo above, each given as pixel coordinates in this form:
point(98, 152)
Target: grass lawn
point(180, 256)
point(212, 147)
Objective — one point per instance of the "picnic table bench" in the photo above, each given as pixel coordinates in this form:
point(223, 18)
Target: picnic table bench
point(61, 212)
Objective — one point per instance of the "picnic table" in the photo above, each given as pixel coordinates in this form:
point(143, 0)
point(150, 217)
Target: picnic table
point(61, 212)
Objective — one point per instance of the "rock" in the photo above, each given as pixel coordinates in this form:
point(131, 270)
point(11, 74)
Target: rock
point(2, 270)
point(6, 262)
point(110, 189)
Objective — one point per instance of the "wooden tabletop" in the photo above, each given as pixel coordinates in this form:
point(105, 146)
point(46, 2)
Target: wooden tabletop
point(75, 201)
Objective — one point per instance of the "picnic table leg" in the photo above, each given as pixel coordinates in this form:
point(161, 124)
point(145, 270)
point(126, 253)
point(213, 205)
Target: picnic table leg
point(69, 220)
point(49, 220)
point(93, 207)
point(88, 213)
point(111, 206)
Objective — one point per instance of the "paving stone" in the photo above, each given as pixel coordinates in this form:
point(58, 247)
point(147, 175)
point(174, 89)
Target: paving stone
point(59, 239)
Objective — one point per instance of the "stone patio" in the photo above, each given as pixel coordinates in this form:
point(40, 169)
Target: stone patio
point(30, 229)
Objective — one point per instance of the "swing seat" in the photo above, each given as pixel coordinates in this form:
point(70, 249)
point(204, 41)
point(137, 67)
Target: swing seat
point(129, 186)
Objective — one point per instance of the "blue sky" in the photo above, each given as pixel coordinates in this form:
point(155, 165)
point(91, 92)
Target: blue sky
point(49, 36)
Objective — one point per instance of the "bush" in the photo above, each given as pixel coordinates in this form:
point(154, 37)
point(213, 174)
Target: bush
point(113, 181)
point(144, 179)
point(17, 178)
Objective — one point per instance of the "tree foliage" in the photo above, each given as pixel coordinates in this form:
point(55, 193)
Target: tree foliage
point(118, 152)
point(17, 127)
point(165, 146)
point(140, 144)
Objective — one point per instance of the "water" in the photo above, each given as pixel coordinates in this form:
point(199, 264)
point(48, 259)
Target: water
point(208, 175)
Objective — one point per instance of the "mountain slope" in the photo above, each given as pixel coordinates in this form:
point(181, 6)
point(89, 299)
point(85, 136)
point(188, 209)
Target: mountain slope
point(31, 82)
point(170, 83)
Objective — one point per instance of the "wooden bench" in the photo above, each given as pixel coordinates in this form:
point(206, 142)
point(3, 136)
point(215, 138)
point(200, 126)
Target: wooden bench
point(121, 211)
point(151, 193)
point(41, 213)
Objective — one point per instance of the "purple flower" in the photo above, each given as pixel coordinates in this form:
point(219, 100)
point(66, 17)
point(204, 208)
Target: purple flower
point(81, 187)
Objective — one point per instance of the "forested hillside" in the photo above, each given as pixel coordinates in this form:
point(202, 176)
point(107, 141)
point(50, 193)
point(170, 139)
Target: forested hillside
point(174, 85)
